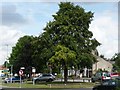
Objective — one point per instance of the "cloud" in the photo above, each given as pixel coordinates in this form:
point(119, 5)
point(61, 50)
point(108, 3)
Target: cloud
point(10, 29)
point(105, 30)
point(10, 16)
point(9, 36)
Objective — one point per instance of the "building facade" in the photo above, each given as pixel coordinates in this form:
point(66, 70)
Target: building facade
point(101, 64)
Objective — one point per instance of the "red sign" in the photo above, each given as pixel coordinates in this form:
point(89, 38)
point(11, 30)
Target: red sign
point(21, 72)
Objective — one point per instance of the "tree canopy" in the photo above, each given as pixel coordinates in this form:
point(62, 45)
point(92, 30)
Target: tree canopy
point(116, 58)
point(65, 41)
point(21, 55)
point(70, 28)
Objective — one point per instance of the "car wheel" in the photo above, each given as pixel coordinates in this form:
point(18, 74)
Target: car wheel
point(5, 81)
point(92, 80)
point(37, 81)
point(50, 80)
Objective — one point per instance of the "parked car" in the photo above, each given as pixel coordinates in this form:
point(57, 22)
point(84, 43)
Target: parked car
point(115, 75)
point(13, 79)
point(112, 84)
point(101, 76)
point(44, 77)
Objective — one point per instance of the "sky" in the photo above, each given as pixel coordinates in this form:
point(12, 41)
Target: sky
point(29, 18)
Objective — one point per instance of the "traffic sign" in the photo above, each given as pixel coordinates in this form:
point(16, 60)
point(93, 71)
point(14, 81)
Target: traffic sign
point(33, 70)
point(21, 72)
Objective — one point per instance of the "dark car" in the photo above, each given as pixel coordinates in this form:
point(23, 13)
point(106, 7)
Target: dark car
point(44, 77)
point(101, 76)
point(13, 79)
point(111, 84)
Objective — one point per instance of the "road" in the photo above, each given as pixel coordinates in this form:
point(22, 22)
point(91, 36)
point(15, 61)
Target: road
point(43, 89)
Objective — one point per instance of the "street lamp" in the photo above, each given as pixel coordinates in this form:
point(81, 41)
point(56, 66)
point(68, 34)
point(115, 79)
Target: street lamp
point(11, 72)
point(7, 55)
point(6, 60)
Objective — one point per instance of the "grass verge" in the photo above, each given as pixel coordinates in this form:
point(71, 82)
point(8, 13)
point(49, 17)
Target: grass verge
point(58, 85)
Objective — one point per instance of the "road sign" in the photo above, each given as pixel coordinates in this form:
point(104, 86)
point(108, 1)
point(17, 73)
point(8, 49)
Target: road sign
point(21, 72)
point(33, 70)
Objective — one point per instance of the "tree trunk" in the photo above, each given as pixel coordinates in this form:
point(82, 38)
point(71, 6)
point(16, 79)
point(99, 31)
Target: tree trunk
point(65, 74)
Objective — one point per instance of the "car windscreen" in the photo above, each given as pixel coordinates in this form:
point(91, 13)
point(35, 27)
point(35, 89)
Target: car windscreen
point(106, 74)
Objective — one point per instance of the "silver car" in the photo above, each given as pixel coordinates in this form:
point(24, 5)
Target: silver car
point(44, 77)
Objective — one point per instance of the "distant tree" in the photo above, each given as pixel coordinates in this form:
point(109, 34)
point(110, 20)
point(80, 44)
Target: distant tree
point(6, 64)
point(116, 58)
point(102, 56)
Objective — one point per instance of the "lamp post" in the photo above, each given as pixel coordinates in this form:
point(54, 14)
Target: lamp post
point(11, 72)
point(7, 55)
point(33, 71)
point(6, 60)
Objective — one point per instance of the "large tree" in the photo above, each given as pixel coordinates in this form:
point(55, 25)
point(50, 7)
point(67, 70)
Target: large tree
point(43, 50)
point(21, 55)
point(69, 28)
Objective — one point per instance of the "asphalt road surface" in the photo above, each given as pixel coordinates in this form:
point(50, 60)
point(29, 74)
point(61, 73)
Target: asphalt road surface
point(43, 89)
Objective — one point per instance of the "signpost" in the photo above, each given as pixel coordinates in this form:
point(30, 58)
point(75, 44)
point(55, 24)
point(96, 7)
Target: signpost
point(11, 72)
point(33, 71)
point(20, 73)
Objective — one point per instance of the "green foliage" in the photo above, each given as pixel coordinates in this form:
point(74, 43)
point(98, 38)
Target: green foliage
point(72, 76)
point(65, 41)
point(22, 54)
point(116, 58)
point(59, 76)
point(6, 64)
point(117, 88)
point(87, 59)
point(70, 28)
point(63, 56)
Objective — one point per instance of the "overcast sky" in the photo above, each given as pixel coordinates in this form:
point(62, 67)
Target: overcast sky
point(29, 18)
